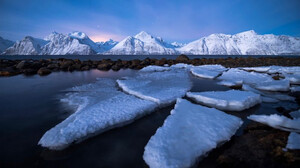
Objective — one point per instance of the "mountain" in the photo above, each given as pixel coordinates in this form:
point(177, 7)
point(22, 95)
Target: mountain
point(105, 46)
point(28, 46)
point(4, 44)
point(177, 45)
point(245, 43)
point(142, 44)
point(75, 43)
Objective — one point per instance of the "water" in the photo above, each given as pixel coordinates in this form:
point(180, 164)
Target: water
point(123, 57)
point(30, 106)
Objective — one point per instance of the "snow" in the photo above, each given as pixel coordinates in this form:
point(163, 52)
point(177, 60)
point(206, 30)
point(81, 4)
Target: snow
point(293, 78)
point(4, 44)
point(154, 68)
point(100, 107)
point(235, 76)
point(244, 43)
point(190, 132)
point(264, 69)
point(295, 114)
point(293, 141)
point(160, 87)
point(274, 85)
point(208, 71)
point(182, 66)
point(231, 100)
point(277, 121)
point(269, 97)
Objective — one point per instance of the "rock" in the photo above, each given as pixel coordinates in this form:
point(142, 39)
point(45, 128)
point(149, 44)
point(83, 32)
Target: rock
point(182, 57)
point(22, 64)
point(115, 67)
point(85, 68)
point(76, 66)
point(65, 64)
point(43, 71)
point(52, 66)
point(29, 71)
point(260, 146)
point(104, 66)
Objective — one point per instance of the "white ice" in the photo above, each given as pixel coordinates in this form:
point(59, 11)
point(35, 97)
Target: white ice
point(182, 65)
point(231, 100)
point(277, 121)
point(257, 69)
point(188, 134)
point(160, 87)
point(293, 78)
point(100, 107)
point(293, 141)
point(295, 89)
point(295, 114)
point(274, 85)
point(269, 97)
point(208, 71)
point(155, 68)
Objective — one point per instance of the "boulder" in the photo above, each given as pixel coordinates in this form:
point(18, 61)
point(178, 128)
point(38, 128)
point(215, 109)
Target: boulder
point(43, 71)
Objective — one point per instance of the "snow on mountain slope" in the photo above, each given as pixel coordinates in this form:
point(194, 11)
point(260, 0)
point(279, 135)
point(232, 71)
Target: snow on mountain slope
point(4, 44)
point(144, 44)
point(105, 46)
point(245, 43)
point(28, 46)
point(65, 45)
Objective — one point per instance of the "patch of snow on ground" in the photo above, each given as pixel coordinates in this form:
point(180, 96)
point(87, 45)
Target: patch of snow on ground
point(231, 100)
point(100, 107)
point(188, 134)
point(208, 71)
point(160, 87)
point(277, 121)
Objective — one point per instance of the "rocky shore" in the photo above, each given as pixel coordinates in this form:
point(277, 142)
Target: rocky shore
point(46, 66)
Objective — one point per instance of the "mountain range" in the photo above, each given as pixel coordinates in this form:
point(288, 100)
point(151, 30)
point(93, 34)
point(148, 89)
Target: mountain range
point(78, 43)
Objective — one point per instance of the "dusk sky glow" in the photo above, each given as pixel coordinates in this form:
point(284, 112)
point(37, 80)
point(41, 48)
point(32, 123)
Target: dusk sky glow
point(178, 20)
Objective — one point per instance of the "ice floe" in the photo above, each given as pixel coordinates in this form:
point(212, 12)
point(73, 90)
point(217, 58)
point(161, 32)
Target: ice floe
point(277, 121)
point(155, 68)
point(182, 65)
point(207, 71)
point(295, 114)
point(269, 97)
point(293, 78)
point(274, 85)
point(293, 141)
point(257, 69)
point(274, 69)
point(100, 107)
point(188, 134)
point(295, 89)
point(231, 100)
point(160, 87)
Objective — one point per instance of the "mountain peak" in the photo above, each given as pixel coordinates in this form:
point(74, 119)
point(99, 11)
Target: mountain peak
point(143, 35)
point(249, 33)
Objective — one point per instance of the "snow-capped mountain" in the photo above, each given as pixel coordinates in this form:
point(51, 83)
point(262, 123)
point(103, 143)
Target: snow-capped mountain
point(245, 43)
point(4, 44)
point(105, 46)
point(177, 45)
point(144, 44)
point(60, 44)
point(28, 46)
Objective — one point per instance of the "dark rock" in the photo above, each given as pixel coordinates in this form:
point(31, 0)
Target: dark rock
point(76, 66)
point(182, 57)
point(43, 71)
point(85, 68)
point(65, 64)
point(23, 64)
point(29, 71)
point(52, 66)
point(104, 66)
point(115, 67)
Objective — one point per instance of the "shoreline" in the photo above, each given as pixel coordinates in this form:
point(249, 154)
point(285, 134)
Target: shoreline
point(46, 66)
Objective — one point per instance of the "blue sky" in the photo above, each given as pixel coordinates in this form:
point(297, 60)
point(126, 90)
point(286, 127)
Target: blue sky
point(176, 20)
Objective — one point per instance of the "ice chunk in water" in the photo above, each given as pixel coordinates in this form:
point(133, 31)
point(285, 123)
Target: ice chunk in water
point(188, 134)
point(295, 114)
point(154, 68)
point(101, 107)
point(208, 71)
point(232, 100)
point(293, 141)
point(160, 87)
point(274, 85)
point(277, 121)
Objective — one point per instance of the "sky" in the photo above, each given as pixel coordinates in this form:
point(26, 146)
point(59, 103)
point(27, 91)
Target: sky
point(174, 20)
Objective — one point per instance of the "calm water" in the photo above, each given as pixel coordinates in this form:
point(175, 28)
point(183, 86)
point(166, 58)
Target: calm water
point(29, 106)
point(122, 57)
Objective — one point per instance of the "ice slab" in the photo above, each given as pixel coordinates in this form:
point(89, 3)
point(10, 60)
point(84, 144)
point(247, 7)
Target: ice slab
point(182, 66)
point(231, 100)
point(295, 114)
point(208, 71)
point(274, 85)
point(277, 121)
point(293, 141)
point(100, 107)
point(162, 88)
point(188, 134)
point(281, 69)
point(293, 78)
point(269, 97)
point(257, 69)
point(155, 68)
point(295, 89)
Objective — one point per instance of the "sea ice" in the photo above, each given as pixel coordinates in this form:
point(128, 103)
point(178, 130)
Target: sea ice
point(277, 121)
point(295, 114)
point(188, 134)
point(293, 141)
point(257, 69)
point(182, 65)
point(293, 78)
point(100, 107)
point(274, 85)
point(231, 100)
point(295, 89)
point(155, 68)
point(208, 71)
point(160, 87)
